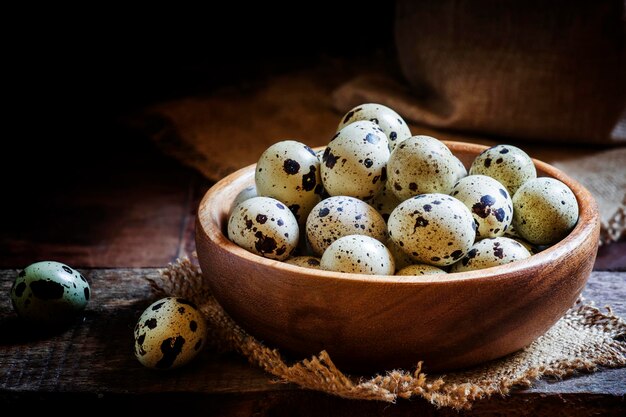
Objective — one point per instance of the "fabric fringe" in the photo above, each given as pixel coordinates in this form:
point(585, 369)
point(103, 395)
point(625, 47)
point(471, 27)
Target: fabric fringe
point(584, 339)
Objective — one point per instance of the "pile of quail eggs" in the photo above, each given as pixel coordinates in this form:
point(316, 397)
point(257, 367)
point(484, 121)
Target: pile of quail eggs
point(380, 201)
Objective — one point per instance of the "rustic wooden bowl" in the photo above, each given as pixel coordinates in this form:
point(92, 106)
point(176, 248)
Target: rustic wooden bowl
point(369, 323)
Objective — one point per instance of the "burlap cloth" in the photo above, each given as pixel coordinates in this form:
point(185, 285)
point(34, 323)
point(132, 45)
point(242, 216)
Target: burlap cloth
point(582, 340)
point(219, 133)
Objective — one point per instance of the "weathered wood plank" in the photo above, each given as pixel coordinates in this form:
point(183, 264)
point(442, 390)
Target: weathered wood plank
point(124, 209)
point(93, 359)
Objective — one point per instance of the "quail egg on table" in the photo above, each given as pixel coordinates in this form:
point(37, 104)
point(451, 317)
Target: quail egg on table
point(544, 211)
point(389, 121)
point(435, 229)
point(358, 254)
point(421, 165)
point(289, 171)
point(420, 269)
point(264, 226)
point(508, 164)
point(489, 203)
point(340, 216)
point(491, 252)
point(49, 292)
point(169, 333)
point(354, 162)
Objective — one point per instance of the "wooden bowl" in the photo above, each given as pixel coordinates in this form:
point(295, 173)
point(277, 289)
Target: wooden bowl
point(370, 323)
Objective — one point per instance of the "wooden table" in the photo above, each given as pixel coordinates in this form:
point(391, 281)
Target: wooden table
point(118, 222)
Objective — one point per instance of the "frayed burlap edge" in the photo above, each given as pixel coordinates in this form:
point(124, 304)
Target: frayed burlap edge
point(582, 340)
point(615, 227)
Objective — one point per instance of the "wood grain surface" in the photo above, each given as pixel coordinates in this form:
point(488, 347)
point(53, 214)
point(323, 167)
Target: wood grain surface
point(92, 362)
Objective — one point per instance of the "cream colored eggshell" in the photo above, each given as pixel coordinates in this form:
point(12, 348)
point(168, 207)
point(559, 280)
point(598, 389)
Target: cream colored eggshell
point(289, 171)
point(544, 211)
point(491, 252)
point(358, 254)
point(354, 162)
point(169, 334)
point(264, 226)
point(435, 229)
point(420, 269)
point(401, 258)
point(461, 171)
point(305, 261)
point(389, 121)
point(508, 164)
point(489, 202)
point(340, 216)
point(384, 202)
point(421, 165)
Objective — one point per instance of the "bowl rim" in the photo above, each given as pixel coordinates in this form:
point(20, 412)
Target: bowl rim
point(588, 220)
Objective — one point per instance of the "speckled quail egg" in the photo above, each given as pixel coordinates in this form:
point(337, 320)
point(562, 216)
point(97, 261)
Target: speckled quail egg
point(461, 171)
point(264, 226)
point(420, 269)
point(354, 162)
point(401, 258)
point(246, 193)
point(389, 121)
point(384, 202)
point(421, 165)
point(49, 292)
point(532, 249)
point(358, 254)
point(340, 216)
point(489, 203)
point(305, 261)
point(544, 211)
point(433, 228)
point(289, 171)
point(169, 333)
point(506, 163)
point(491, 252)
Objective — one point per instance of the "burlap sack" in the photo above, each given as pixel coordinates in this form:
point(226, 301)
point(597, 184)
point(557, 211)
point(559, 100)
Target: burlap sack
point(525, 69)
point(583, 339)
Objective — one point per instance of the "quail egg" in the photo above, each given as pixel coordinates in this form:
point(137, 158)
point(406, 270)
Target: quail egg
point(461, 171)
point(421, 165)
point(305, 261)
point(289, 171)
point(420, 269)
point(489, 203)
point(264, 226)
point(340, 216)
point(354, 162)
point(389, 121)
point(49, 292)
point(358, 254)
point(246, 193)
point(544, 211)
point(491, 252)
point(401, 258)
point(506, 163)
point(169, 334)
point(436, 229)
point(384, 202)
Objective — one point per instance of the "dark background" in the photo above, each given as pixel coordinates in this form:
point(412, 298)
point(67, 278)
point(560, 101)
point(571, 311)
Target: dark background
point(76, 74)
